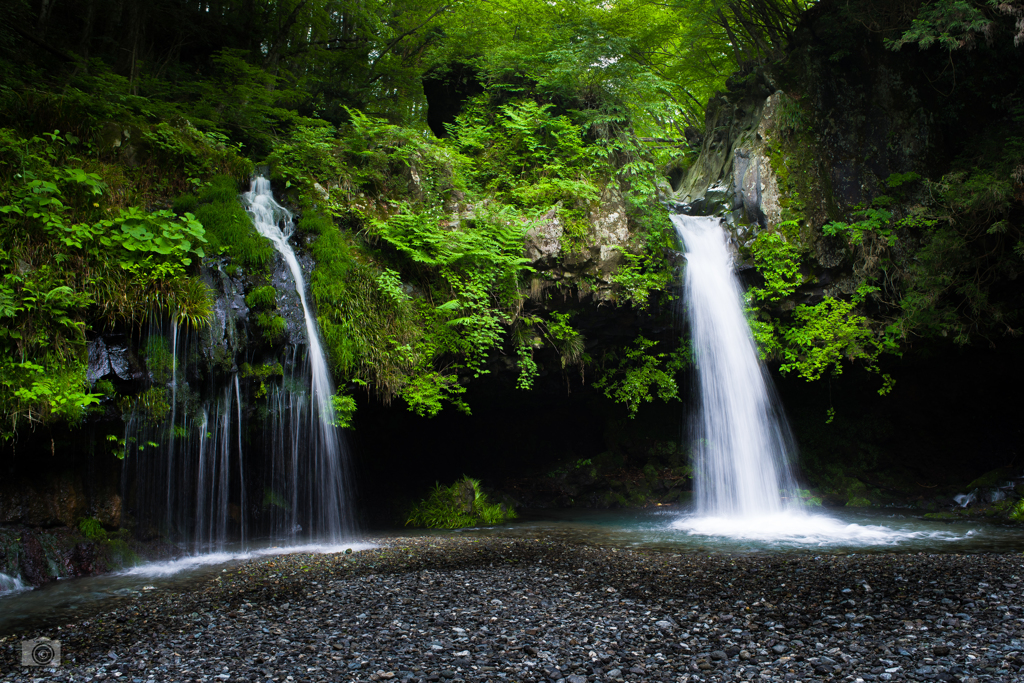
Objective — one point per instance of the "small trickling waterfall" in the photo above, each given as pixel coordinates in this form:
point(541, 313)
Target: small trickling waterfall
point(741, 441)
point(323, 478)
point(11, 583)
point(211, 461)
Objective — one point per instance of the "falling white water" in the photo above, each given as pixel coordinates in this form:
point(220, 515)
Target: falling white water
point(11, 583)
point(740, 437)
point(172, 567)
point(741, 441)
point(325, 494)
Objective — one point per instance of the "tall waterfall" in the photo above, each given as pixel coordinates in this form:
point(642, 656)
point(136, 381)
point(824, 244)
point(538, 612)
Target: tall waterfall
point(741, 440)
point(211, 460)
point(740, 436)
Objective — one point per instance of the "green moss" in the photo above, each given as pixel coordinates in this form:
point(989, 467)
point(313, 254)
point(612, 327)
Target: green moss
point(261, 373)
point(858, 502)
point(272, 327)
point(221, 189)
point(272, 498)
point(1017, 512)
point(988, 480)
point(154, 404)
point(262, 297)
point(941, 515)
point(92, 529)
point(159, 360)
point(229, 229)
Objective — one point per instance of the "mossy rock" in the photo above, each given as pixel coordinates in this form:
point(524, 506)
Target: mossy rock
point(942, 515)
point(1017, 512)
point(677, 496)
point(989, 479)
point(858, 502)
point(854, 488)
point(682, 471)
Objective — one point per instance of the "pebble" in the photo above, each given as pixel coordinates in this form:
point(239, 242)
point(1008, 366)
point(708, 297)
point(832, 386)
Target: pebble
point(515, 610)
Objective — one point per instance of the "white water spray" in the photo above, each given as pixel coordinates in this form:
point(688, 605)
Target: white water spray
point(325, 479)
point(741, 440)
point(11, 583)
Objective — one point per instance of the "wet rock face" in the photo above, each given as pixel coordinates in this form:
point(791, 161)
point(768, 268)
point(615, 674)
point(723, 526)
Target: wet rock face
point(597, 259)
point(225, 337)
point(54, 502)
point(733, 177)
point(289, 305)
point(57, 501)
point(111, 357)
point(34, 566)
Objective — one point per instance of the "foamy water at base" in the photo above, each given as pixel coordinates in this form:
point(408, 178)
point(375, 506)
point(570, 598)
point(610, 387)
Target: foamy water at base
point(75, 599)
point(172, 567)
point(10, 584)
point(799, 528)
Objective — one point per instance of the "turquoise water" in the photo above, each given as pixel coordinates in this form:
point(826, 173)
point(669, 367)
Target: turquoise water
point(675, 529)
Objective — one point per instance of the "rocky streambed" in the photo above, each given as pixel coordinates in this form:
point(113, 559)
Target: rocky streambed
point(462, 609)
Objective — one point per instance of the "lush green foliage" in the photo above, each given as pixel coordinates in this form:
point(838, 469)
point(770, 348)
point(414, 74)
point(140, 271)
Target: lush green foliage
point(818, 338)
point(778, 262)
point(639, 374)
point(460, 505)
point(959, 24)
point(429, 292)
point(228, 227)
point(261, 374)
point(418, 242)
point(69, 253)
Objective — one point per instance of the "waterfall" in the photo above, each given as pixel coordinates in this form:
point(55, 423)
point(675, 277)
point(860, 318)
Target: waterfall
point(209, 461)
point(325, 483)
point(741, 443)
point(741, 440)
point(11, 583)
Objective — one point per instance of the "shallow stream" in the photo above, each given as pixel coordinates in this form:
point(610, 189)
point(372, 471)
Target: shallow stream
point(666, 529)
point(830, 531)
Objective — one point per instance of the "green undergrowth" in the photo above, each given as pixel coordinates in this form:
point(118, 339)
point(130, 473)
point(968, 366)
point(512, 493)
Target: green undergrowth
point(228, 227)
point(460, 505)
point(74, 258)
point(420, 277)
point(919, 257)
point(114, 547)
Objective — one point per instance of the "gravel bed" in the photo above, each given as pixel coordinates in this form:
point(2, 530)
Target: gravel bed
point(461, 609)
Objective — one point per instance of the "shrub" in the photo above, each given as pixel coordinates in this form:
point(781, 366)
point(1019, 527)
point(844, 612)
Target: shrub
point(460, 505)
point(92, 529)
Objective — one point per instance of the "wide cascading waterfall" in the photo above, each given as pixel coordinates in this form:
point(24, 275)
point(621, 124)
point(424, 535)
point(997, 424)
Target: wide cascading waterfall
point(741, 441)
point(212, 460)
point(321, 492)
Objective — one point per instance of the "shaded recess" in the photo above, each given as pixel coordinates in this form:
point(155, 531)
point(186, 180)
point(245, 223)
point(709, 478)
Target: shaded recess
point(447, 92)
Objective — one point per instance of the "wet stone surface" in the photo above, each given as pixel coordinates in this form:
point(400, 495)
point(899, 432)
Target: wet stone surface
point(453, 610)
